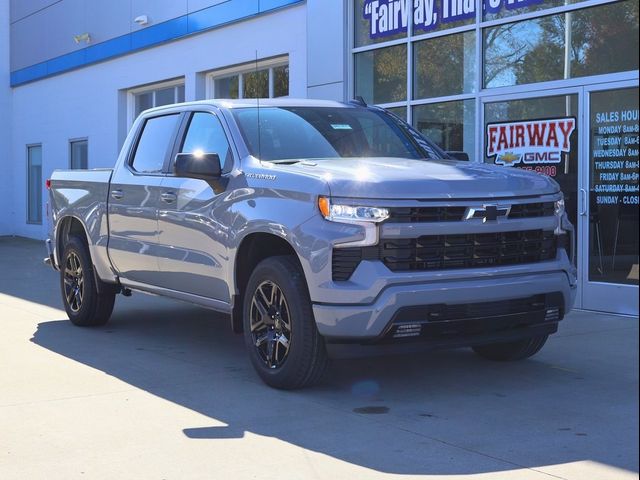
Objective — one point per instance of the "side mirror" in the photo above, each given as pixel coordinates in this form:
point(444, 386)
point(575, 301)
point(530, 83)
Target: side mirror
point(204, 166)
point(459, 155)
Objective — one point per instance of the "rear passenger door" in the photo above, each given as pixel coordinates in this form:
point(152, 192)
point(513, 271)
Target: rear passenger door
point(133, 201)
point(193, 227)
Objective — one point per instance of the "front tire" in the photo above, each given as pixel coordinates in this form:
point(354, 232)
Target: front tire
point(280, 333)
point(511, 351)
point(85, 303)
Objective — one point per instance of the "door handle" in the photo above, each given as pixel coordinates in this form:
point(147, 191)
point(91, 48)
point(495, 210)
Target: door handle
point(583, 202)
point(168, 197)
point(117, 194)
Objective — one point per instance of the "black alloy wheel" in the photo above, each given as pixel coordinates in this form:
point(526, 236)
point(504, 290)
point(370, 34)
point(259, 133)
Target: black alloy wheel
point(270, 324)
point(73, 282)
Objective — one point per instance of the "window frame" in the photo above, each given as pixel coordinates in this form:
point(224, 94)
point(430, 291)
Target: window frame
point(181, 136)
point(28, 148)
point(170, 146)
point(239, 70)
point(149, 88)
point(77, 140)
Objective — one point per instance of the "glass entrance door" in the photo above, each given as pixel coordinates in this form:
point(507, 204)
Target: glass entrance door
point(608, 212)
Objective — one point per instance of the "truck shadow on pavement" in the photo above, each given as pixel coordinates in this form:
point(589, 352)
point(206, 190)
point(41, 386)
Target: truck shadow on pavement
point(438, 413)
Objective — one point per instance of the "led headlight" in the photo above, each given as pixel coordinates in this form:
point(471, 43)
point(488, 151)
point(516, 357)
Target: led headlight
point(365, 217)
point(351, 213)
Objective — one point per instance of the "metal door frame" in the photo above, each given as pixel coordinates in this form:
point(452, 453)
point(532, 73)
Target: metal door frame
point(602, 296)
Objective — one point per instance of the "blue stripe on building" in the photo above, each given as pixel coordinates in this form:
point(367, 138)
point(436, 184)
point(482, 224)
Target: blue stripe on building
point(192, 23)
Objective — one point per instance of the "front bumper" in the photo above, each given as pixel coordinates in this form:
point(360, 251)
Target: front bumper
point(371, 323)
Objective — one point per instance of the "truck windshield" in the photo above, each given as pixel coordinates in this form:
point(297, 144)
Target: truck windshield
point(288, 133)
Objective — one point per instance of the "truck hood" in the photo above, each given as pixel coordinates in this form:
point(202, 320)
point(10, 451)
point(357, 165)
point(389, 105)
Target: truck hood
point(396, 178)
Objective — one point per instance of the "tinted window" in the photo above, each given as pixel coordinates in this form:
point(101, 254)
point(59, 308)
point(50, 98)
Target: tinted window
point(325, 132)
point(80, 154)
point(153, 143)
point(206, 134)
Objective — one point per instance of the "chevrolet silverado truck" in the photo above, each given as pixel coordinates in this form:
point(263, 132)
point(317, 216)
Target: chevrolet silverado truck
point(314, 225)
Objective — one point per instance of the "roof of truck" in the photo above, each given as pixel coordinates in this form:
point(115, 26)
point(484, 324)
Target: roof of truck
point(253, 102)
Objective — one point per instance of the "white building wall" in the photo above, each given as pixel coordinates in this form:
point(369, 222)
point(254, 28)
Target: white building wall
point(91, 102)
point(5, 122)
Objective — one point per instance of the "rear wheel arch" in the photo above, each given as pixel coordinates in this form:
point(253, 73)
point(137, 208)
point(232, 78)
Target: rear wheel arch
point(254, 248)
point(67, 227)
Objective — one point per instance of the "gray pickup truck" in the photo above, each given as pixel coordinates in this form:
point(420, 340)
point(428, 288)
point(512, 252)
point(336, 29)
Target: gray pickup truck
point(316, 226)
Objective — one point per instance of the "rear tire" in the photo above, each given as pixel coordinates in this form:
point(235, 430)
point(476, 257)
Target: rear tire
point(280, 332)
point(511, 351)
point(87, 304)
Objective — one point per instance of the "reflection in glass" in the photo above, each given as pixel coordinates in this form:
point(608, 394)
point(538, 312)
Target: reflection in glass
point(565, 172)
point(227, 87)
point(281, 81)
point(34, 184)
point(362, 30)
point(445, 65)
point(450, 125)
point(255, 84)
point(79, 154)
point(381, 75)
point(537, 50)
point(613, 186)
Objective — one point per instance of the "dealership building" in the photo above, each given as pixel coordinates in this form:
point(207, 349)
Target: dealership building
point(545, 85)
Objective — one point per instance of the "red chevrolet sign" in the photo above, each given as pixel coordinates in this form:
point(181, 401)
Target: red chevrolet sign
point(530, 142)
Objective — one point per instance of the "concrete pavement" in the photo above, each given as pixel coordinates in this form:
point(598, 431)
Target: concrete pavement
point(166, 391)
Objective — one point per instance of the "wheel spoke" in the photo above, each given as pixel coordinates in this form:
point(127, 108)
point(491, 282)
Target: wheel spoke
point(263, 337)
point(283, 340)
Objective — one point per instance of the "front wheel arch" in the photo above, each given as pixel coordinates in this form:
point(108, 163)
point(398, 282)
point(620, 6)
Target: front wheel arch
point(253, 249)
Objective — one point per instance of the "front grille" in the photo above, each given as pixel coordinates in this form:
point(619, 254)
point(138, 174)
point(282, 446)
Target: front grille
point(457, 214)
point(439, 252)
point(532, 210)
point(426, 214)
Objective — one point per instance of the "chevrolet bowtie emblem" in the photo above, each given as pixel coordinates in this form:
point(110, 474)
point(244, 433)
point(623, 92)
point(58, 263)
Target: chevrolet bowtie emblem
point(488, 213)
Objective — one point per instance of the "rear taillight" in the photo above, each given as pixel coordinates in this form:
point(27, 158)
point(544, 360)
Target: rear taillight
point(47, 183)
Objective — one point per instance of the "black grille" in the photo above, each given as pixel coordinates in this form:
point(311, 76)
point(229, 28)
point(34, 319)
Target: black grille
point(426, 214)
point(532, 210)
point(456, 214)
point(438, 252)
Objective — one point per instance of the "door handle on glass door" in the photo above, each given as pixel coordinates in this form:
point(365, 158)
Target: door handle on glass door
point(583, 202)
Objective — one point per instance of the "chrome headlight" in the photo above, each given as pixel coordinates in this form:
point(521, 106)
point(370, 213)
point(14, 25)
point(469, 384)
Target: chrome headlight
point(559, 207)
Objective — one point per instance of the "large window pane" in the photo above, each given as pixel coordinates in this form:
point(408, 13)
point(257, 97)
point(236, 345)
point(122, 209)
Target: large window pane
point(143, 101)
point(381, 75)
point(450, 125)
point(281, 81)
point(613, 186)
point(154, 143)
point(256, 84)
point(445, 66)
point(165, 96)
point(539, 153)
point(79, 154)
point(372, 24)
point(34, 184)
point(494, 9)
point(602, 40)
point(227, 87)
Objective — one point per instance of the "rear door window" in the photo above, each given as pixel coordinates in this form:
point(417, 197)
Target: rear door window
point(153, 145)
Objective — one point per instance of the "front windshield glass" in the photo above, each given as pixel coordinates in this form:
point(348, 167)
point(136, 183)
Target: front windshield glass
point(289, 133)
